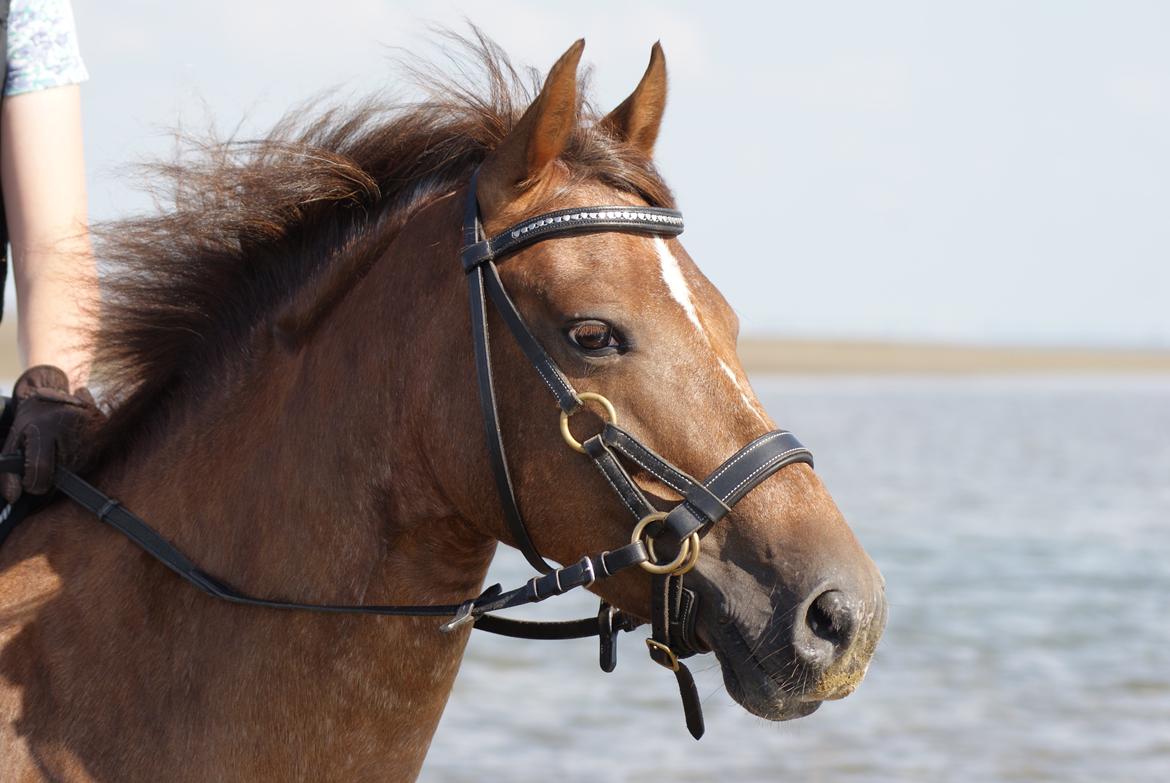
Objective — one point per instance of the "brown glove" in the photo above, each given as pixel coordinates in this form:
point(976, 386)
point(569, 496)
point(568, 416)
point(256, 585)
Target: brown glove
point(49, 428)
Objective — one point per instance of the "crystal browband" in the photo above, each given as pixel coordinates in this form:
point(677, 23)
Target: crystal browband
point(651, 220)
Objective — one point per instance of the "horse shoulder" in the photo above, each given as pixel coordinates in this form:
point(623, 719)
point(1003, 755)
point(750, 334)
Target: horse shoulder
point(28, 581)
point(25, 586)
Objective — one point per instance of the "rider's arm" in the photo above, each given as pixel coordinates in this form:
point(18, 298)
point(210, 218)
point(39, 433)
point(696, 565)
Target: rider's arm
point(43, 177)
point(45, 205)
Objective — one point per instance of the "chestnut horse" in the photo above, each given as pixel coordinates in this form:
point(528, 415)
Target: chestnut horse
point(287, 353)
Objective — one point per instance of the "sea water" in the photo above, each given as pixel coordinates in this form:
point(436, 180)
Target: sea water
point(1023, 527)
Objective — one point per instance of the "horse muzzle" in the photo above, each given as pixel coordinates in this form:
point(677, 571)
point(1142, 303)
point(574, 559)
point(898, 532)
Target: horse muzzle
point(782, 661)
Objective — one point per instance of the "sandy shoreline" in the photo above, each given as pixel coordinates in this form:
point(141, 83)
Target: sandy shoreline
point(762, 356)
point(781, 356)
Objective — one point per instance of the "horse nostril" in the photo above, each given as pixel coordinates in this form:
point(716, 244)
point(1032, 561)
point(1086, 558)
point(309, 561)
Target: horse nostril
point(830, 617)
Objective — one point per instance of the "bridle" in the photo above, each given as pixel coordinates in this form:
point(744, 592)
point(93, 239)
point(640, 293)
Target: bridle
point(673, 607)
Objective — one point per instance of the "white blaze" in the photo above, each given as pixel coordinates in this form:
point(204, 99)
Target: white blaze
point(676, 283)
point(672, 274)
point(748, 401)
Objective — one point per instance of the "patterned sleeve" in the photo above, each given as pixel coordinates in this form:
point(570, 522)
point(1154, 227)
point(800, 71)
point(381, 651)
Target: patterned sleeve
point(42, 46)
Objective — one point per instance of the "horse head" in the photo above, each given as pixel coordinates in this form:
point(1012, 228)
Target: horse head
point(787, 599)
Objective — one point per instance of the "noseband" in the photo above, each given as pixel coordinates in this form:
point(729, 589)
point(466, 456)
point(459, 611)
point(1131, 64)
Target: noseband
point(680, 529)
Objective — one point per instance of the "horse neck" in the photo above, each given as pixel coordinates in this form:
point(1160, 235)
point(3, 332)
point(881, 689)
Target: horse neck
point(318, 462)
point(312, 480)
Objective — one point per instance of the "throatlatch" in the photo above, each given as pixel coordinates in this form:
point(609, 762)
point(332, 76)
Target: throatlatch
point(703, 502)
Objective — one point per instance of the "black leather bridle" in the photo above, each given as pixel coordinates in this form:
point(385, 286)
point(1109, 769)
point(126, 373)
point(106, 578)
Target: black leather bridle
point(703, 502)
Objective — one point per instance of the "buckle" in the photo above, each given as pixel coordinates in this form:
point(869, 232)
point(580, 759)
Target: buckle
point(671, 661)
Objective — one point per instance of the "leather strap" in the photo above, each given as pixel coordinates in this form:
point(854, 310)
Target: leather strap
point(577, 220)
point(614, 621)
point(706, 502)
point(663, 653)
point(692, 704)
point(645, 457)
point(617, 477)
point(543, 364)
point(580, 574)
point(683, 614)
point(739, 474)
point(608, 626)
point(491, 424)
point(480, 341)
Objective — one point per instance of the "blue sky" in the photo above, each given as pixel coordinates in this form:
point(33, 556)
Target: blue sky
point(978, 172)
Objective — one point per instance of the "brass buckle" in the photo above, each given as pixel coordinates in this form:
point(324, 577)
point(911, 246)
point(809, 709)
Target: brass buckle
point(669, 653)
point(688, 554)
point(610, 412)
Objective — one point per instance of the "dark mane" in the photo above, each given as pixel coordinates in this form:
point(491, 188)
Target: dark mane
point(245, 225)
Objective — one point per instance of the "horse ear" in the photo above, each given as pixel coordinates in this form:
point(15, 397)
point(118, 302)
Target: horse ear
point(639, 116)
point(538, 138)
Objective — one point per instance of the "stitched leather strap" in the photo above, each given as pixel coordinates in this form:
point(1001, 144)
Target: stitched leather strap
point(539, 358)
point(643, 456)
point(706, 502)
point(617, 477)
point(684, 611)
point(491, 424)
point(577, 220)
point(489, 413)
point(739, 474)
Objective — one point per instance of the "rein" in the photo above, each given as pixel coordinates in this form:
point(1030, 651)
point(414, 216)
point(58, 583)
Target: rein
point(704, 502)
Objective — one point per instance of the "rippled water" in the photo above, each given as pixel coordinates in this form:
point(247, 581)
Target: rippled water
point(1023, 527)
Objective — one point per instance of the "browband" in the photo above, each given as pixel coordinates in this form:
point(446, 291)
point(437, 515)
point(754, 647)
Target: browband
point(579, 220)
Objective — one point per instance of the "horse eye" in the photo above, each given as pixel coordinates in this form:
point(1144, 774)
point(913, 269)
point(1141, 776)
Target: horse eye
point(594, 336)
